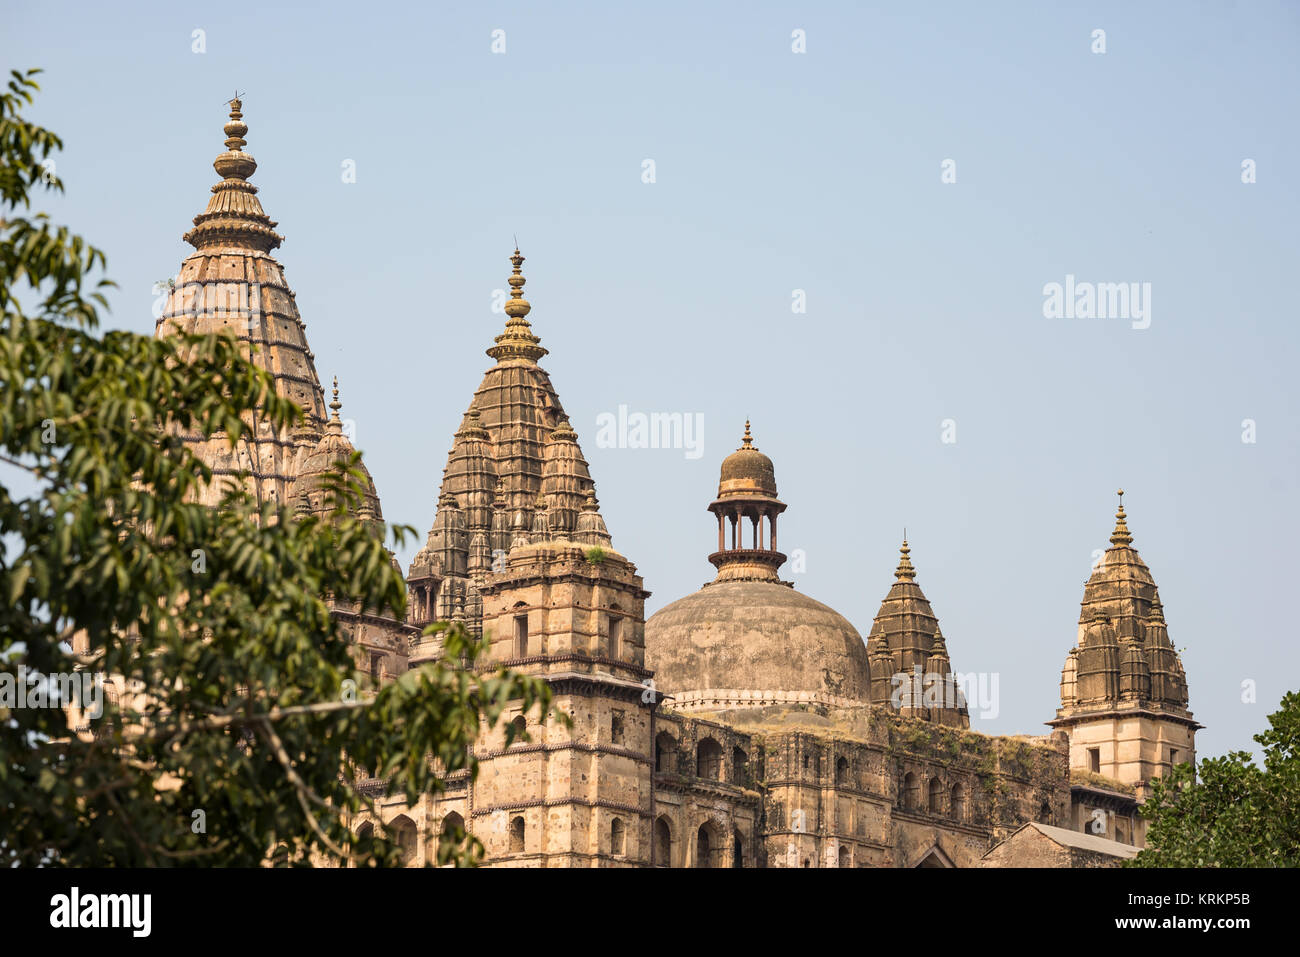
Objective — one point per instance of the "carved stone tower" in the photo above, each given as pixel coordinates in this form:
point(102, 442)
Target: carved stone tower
point(1123, 689)
point(520, 553)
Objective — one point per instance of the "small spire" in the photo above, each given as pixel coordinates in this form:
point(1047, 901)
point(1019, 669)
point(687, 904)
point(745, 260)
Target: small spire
point(1121, 534)
point(905, 571)
point(747, 442)
point(334, 426)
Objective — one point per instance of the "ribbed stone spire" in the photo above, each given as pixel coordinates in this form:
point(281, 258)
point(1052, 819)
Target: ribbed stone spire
point(515, 471)
point(904, 639)
point(1121, 618)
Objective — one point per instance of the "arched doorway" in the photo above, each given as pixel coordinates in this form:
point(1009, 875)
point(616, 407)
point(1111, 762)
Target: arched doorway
point(663, 843)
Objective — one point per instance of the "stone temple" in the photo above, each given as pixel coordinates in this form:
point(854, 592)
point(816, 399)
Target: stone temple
point(744, 725)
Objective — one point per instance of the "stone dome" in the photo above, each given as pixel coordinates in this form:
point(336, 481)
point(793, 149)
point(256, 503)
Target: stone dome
point(749, 643)
point(747, 471)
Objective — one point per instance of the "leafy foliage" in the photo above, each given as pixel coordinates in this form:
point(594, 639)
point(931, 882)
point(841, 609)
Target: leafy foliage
point(1231, 813)
point(235, 733)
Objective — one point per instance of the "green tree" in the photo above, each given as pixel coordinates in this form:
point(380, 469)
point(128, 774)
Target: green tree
point(1231, 813)
point(244, 711)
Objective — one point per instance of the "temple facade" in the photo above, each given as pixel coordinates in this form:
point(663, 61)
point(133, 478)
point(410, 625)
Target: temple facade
point(744, 725)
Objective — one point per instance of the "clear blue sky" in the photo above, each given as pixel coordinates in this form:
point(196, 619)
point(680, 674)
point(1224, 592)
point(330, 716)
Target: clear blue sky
point(775, 172)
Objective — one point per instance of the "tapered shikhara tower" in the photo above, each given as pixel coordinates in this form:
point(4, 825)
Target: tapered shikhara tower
point(1123, 690)
point(232, 283)
point(515, 476)
point(910, 669)
point(518, 552)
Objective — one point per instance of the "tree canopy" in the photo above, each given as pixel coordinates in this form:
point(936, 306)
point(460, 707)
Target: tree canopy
point(1231, 813)
point(235, 734)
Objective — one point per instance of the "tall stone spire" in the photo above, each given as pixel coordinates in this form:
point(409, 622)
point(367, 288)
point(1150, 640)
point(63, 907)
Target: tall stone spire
point(231, 284)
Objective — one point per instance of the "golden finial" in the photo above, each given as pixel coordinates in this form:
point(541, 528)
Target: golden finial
point(747, 442)
point(905, 571)
point(235, 163)
point(518, 341)
point(518, 306)
point(1121, 534)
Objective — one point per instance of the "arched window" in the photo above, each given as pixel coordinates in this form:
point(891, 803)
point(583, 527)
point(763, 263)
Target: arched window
point(708, 760)
point(665, 752)
point(740, 765)
point(844, 856)
point(403, 832)
point(958, 802)
point(520, 729)
point(517, 836)
point(616, 837)
point(911, 791)
point(737, 848)
point(451, 832)
point(936, 796)
point(663, 843)
point(842, 772)
point(704, 847)
point(1045, 813)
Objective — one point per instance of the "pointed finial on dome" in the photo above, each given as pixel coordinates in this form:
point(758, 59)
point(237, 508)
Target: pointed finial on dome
point(905, 571)
point(518, 341)
point(748, 441)
point(234, 217)
point(235, 163)
point(1121, 534)
point(518, 306)
point(335, 426)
